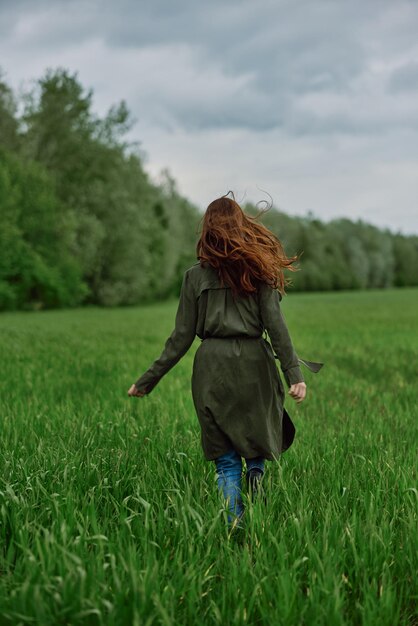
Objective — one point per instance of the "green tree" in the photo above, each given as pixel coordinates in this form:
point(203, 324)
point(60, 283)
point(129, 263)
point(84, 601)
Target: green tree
point(37, 267)
point(9, 138)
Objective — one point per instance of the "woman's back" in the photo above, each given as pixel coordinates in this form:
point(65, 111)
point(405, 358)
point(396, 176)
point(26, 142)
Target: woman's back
point(219, 314)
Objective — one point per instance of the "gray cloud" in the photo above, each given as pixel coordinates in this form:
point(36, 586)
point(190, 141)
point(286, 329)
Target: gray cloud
point(273, 54)
point(333, 79)
point(404, 78)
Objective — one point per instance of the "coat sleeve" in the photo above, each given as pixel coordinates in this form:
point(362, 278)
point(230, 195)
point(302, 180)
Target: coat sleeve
point(179, 341)
point(275, 324)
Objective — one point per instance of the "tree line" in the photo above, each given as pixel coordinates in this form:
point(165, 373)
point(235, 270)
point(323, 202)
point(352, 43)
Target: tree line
point(82, 223)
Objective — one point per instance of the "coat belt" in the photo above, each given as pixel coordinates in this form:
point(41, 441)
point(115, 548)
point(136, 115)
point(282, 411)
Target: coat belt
point(232, 337)
point(314, 366)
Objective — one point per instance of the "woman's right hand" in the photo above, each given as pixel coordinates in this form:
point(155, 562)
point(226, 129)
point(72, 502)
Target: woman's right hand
point(298, 391)
point(133, 391)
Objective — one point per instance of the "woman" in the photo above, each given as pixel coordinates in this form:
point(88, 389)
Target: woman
point(228, 299)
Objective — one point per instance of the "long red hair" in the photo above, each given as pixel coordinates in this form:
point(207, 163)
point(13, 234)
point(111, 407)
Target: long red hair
point(243, 252)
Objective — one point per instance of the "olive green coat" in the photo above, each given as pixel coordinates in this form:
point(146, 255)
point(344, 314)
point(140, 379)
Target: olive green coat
point(236, 387)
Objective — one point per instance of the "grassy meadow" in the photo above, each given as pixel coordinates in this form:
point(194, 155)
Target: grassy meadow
point(109, 513)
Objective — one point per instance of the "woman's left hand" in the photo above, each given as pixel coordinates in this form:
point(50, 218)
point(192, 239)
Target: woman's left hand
point(133, 391)
point(298, 391)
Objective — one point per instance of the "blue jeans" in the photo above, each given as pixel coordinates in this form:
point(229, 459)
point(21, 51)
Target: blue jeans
point(229, 472)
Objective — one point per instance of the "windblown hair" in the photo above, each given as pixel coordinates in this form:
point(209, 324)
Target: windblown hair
point(244, 252)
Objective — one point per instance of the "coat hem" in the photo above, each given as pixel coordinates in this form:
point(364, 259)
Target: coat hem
point(266, 457)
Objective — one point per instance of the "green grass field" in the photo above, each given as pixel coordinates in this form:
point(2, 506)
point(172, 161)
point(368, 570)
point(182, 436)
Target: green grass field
point(109, 512)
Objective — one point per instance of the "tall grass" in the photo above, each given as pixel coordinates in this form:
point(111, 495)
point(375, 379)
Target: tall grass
point(109, 513)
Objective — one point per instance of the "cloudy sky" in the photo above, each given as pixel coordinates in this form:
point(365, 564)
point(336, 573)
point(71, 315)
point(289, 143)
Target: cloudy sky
point(313, 101)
